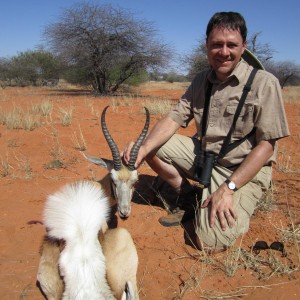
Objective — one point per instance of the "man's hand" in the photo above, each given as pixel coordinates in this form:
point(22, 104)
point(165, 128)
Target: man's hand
point(126, 154)
point(221, 202)
point(160, 133)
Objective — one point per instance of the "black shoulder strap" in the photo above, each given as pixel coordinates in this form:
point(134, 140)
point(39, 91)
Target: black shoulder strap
point(226, 147)
point(206, 106)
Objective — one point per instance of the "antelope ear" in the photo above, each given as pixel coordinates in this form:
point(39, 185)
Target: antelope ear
point(128, 293)
point(102, 162)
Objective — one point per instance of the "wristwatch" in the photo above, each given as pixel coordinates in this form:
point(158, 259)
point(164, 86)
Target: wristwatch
point(231, 185)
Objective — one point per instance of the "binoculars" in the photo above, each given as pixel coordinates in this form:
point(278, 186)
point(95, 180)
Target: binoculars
point(205, 162)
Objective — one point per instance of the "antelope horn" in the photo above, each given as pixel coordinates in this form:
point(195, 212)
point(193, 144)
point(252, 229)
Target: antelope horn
point(136, 147)
point(111, 143)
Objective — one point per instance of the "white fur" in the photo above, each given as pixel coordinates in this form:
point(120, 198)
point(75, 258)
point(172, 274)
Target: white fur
point(76, 214)
point(78, 209)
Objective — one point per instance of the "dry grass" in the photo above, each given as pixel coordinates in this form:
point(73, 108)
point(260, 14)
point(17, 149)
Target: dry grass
point(24, 166)
point(66, 116)
point(17, 118)
point(286, 163)
point(5, 167)
point(158, 106)
point(45, 108)
point(12, 143)
point(25, 292)
point(30, 121)
point(267, 202)
point(90, 104)
point(13, 119)
point(291, 95)
point(128, 100)
point(56, 151)
point(79, 142)
point(155, 85)
point(19, 168)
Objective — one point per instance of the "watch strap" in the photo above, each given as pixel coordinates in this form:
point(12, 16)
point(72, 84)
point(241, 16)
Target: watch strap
point(228, 181)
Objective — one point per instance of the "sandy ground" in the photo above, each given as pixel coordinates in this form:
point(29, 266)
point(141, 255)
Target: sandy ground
point(169, 266)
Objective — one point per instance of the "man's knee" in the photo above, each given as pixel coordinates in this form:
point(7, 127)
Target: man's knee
point(214, 239)
point(210, 249)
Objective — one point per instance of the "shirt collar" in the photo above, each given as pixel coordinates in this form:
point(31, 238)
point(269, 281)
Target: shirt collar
point(240, 70)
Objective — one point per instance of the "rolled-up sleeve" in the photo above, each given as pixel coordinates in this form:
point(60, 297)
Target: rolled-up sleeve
point(271, 122)
point(192, 99)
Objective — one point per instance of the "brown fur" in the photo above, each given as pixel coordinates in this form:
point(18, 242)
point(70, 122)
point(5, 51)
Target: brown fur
point(119, 250)
point(124, 174)
point(48, 275)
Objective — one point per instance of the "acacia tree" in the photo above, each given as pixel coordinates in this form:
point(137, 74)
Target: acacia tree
point(106, 44)
point(197, 60)
point(263, 51)
point(287, 72)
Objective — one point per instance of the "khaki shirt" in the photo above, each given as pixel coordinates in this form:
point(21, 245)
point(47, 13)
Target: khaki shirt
point(263, 109)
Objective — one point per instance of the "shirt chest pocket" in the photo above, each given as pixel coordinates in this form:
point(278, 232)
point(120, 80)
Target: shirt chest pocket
point(245, 121)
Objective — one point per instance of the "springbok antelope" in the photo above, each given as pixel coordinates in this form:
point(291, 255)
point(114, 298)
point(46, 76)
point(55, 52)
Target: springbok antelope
point(81, 258)
point(118, 186)
point(122, 177)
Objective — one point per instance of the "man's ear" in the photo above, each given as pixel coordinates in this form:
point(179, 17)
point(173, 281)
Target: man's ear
point(244, 46)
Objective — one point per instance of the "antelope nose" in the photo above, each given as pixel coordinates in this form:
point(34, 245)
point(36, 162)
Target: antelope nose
point(123, 215)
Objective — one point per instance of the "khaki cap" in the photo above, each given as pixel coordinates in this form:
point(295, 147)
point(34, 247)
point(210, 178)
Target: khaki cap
point(252, 60)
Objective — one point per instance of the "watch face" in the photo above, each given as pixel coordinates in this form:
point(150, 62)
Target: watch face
point(231, 185)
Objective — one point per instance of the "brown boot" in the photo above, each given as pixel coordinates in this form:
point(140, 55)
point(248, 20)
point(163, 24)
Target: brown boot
point(176, 217)
point(187, 204)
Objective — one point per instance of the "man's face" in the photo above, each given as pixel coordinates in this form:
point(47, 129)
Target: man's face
point(224, 50)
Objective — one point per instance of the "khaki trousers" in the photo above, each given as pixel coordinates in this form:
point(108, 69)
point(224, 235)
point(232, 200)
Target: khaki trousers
point(180, 151)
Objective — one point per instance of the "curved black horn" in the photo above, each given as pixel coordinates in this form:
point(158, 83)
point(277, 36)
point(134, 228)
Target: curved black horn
point(111, 143)
point(136, 147)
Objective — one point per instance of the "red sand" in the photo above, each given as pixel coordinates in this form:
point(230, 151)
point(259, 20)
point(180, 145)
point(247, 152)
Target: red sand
point(169, 267)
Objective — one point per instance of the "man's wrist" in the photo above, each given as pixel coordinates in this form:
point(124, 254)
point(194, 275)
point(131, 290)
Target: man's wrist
point(231, 185)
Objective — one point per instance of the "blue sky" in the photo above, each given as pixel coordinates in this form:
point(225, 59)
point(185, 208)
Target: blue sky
point(181, 24)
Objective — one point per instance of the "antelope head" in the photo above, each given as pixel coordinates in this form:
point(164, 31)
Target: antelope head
point(123, 177)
